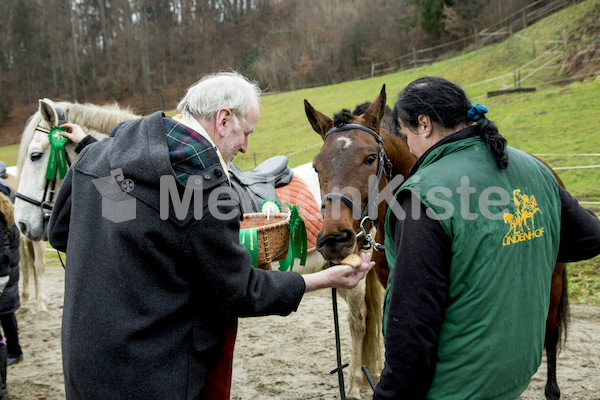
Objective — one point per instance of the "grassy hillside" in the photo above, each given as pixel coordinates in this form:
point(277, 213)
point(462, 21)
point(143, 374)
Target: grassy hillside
point(555, 119)
point(559, 119)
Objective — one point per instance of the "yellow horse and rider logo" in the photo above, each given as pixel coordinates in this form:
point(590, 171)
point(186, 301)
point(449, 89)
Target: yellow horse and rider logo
point(522, 222)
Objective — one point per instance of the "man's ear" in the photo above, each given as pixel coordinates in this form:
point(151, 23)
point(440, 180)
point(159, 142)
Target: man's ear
point(223, 116)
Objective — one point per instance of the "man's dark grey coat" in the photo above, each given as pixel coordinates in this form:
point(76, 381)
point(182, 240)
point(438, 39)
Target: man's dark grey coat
point(146, 299)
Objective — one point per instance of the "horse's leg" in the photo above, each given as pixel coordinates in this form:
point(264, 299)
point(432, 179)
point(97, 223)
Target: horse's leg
point(39, 266)
point(556, 325)
point(26, 267)
point(373, 340)
point(357, 317)
point(364, 317)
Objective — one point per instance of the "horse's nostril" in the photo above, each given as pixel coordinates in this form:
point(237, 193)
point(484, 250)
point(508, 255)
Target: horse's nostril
point(336, 243)
point(23, 228)
point(348, 236)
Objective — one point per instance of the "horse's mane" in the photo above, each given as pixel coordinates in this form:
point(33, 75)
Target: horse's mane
point(97, 121)
point(361, 108)
point(26, 138)
point(386, 122)
point(346, 117)
point(343, 117)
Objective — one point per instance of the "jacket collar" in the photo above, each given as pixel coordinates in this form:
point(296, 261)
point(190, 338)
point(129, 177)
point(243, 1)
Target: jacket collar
point(192, 123)
point(465, 133)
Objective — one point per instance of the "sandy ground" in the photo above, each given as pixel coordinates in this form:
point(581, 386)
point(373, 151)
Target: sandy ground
point(285, 358)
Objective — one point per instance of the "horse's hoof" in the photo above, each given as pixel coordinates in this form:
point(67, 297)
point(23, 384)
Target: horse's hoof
point(353, 394)
point(552, 392)
point(41, 307)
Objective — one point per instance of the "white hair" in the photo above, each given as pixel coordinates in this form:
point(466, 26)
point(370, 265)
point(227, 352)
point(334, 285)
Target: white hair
point(220, 90)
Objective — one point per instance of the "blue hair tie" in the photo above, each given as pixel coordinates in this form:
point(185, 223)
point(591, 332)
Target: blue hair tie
point(476, 111)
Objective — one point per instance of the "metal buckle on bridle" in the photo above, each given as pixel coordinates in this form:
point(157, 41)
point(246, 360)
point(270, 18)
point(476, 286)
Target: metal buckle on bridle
point(369, 237)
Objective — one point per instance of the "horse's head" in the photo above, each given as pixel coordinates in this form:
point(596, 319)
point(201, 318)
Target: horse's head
point(36, 193)
point(353, 167)
point(35, 196)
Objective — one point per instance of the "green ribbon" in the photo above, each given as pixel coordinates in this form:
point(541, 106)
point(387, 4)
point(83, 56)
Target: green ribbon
point(298, 240)
point(57, 153)
point(248, 239)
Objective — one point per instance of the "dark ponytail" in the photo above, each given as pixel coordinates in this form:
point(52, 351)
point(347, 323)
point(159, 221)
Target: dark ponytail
point(494, 141)
point(448, 105)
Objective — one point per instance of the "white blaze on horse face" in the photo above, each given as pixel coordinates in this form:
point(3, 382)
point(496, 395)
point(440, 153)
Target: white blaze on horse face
point(347, 141)
point(29, 217)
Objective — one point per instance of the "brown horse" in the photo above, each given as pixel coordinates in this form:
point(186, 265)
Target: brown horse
point(337, 237)
point(347, 160)
point(344, 165)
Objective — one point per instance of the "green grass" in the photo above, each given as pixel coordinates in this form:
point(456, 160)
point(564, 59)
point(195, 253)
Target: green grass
point(9, 154)
point(584, 281)
point(561, 119)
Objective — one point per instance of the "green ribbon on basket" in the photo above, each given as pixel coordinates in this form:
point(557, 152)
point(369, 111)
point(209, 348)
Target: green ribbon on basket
point(57, 157)
point(248, 239)
point(298, 240)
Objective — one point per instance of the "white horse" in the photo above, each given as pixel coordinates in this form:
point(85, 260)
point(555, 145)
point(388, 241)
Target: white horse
point(31, 218)
point(31, 215)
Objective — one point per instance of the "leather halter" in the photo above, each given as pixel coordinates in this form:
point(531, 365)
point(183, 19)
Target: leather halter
point(46, 204)
point(384, 167)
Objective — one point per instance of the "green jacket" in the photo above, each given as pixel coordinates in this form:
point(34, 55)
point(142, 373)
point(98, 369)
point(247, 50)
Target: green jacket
point(505, 237)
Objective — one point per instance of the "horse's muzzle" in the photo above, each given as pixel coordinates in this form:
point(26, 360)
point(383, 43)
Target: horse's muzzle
point(336, 246)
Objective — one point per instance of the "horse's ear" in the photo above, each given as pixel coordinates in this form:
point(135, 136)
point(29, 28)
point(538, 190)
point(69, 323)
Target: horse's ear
point(320, 122)
point(48, 112)
point(374, 114)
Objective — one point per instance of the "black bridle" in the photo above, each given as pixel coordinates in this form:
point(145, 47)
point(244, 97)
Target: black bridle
point(384, 167)
point(47, 203)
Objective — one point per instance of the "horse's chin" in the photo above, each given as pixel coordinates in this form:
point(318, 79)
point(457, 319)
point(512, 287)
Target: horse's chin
point(37, 237)
point(35, 234)
point(336, 257)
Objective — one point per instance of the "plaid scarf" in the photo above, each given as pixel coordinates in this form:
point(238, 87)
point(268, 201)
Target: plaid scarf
point(190, 152)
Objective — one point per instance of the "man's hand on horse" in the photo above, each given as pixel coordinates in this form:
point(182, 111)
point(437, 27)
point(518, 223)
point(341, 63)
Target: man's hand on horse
point(339, 276)
point(73, 132)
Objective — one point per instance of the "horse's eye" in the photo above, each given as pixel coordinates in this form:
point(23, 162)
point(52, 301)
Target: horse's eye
point(371, 159)
point(36, 156)
point(316, 170)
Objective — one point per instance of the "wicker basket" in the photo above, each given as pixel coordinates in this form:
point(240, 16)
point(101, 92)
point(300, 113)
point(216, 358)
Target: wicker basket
point(272, 236)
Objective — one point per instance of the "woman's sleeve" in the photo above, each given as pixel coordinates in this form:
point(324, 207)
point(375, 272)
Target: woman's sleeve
point(420, 284)
point(579, 230)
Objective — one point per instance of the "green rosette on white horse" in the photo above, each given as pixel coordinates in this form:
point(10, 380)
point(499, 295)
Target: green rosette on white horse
point(57, 159)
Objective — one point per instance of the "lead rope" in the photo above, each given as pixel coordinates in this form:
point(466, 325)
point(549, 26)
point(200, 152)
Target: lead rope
point(60, 258)
point(338, 348)
point(365, 371)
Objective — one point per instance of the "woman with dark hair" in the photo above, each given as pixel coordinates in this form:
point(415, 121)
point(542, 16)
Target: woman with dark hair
point(473, 239)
